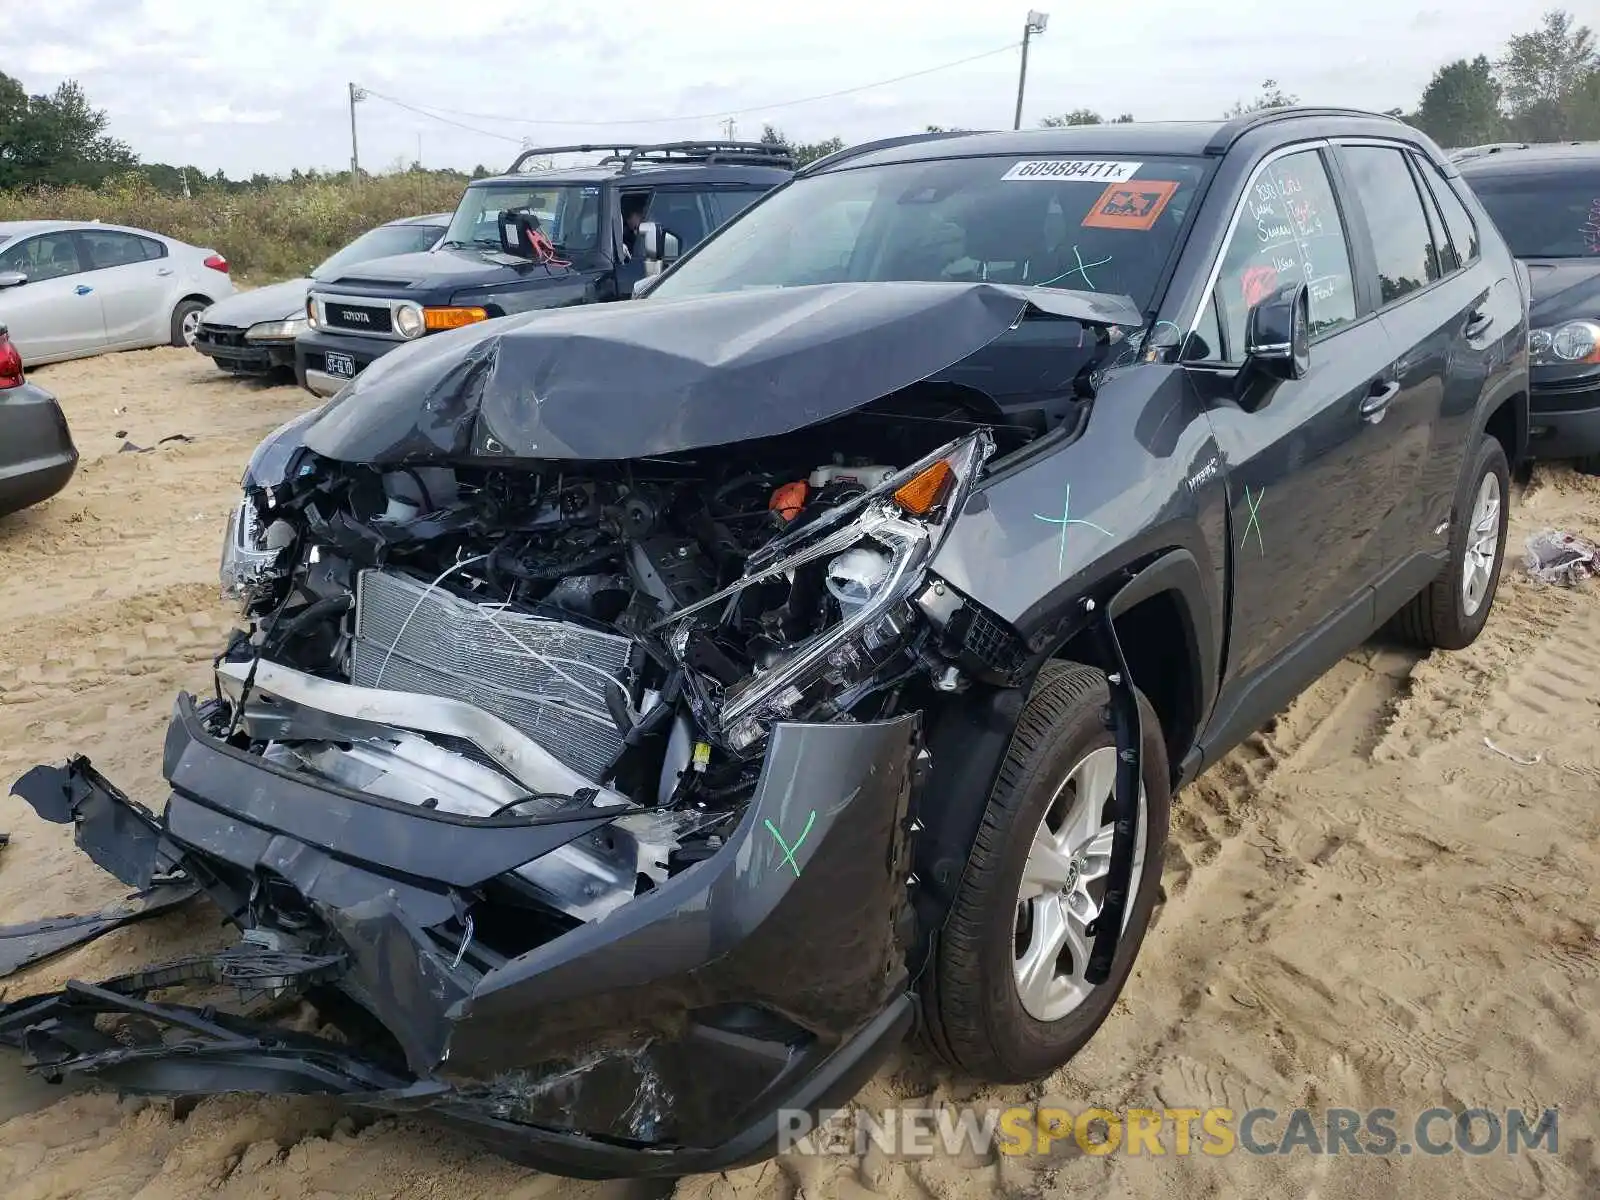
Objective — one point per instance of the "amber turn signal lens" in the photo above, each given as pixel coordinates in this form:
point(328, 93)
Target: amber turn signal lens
point(922, 494)
point(452, 318)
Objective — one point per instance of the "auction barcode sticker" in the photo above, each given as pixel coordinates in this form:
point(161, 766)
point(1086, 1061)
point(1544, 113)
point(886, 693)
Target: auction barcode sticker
point(1074, 168)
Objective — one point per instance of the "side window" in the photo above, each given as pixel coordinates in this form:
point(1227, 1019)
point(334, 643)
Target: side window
point(1441, 259)
point(48, 256)
point(1463, 233)
point(1401, 241)
point(109, 249)
point(725, 206)
point(680, 213)
point(1289, 231)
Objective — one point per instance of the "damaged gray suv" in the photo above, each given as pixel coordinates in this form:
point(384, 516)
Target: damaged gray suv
point(649, 713)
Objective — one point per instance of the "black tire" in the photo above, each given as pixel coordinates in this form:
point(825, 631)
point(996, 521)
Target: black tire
point(1437, 616)
point(972, 1013)
point(180, 314)
point(1589, 464)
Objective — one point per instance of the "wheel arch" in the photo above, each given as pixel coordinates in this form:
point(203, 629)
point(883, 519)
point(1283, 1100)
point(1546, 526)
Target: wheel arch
point(1508, 423)
point(1164, 625)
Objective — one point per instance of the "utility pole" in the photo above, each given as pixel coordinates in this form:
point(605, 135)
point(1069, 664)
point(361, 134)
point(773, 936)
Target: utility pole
point(1035, 24)
point(730, 127)
point(356, 94)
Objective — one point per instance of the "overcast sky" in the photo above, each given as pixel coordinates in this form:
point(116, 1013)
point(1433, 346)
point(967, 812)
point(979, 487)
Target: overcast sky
point(261, 86)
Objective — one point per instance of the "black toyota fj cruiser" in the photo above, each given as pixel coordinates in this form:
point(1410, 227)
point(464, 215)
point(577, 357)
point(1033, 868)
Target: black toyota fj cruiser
point(535, 239)
point(649, 711)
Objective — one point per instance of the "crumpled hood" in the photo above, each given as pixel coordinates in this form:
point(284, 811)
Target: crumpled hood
point(275, 302)
point(1564, 289)
point(649, 377)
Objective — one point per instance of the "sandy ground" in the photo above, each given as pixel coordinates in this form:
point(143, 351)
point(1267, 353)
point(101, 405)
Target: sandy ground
point(1368, 907)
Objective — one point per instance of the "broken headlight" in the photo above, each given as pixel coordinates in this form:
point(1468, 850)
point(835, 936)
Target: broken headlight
point(251, 550)
point(875, 550)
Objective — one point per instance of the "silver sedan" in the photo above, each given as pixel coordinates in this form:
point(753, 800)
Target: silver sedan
point(69, 289)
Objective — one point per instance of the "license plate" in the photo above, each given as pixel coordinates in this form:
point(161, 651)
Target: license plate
point(341, 365)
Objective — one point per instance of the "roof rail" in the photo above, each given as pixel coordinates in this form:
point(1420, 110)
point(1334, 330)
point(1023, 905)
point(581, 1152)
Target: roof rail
point(749, 154)
point(1235, 128)
point(541, 151)
point(888, 143)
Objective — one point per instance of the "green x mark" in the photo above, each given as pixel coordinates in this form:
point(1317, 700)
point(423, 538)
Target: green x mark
point(788, 850)
point(1255, 519)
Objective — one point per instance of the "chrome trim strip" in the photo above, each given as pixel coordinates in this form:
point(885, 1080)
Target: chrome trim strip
point(529, 763)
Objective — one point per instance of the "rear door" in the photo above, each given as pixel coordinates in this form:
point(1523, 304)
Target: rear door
point(56, 313)
point(135, 280)
point(1310, 478)
point(1488, 304)
point(1425, 309)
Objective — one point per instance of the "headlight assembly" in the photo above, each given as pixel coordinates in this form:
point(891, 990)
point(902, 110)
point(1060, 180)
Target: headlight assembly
point(251, 550)
point(873, 552)
point(277, 331)
point(408, 321)
point(1565, 345)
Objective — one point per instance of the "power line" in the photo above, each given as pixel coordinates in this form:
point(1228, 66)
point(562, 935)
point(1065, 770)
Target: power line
point(504, 137)
point(433, 111)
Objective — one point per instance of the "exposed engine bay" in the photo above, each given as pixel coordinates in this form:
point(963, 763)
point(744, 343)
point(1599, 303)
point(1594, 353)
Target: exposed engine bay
point(545, 640)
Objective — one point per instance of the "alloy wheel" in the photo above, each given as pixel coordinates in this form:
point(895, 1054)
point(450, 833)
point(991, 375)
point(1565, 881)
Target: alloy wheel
point(1063, 888)
point(1483, 545)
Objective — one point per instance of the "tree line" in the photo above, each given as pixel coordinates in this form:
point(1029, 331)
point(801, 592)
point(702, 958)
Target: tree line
point(1544, 86)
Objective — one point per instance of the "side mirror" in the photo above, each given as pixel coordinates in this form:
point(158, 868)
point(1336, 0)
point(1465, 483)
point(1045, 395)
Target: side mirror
point(660, 247)
point(11, 279)
point(1277, 336)
point(642, 287)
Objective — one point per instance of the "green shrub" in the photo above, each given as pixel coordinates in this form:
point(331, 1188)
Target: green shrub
point(276, 232)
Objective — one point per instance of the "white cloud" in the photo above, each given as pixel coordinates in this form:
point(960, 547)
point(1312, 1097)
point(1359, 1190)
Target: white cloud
point(263, 88)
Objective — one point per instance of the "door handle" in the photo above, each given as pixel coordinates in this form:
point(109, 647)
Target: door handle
point(1478, 322)
point(83, 289)
point(1377, 400)
point(164, 271)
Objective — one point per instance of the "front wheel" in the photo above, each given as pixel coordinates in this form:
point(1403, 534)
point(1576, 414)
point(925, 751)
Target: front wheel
point(1450, 612)
point(1007, 1001)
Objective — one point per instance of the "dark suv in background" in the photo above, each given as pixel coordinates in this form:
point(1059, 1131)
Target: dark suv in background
point(576, 246)
point(1546, 201)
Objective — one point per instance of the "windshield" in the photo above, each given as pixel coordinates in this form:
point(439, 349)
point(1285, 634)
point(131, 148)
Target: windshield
point(1064, 222)
point(568, 215)
point(1545, 215)
point(379, 243)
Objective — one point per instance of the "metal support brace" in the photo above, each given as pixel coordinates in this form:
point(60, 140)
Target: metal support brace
point(1123, 720)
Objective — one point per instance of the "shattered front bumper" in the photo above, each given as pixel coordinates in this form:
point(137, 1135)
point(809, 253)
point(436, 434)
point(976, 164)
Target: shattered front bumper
point(663, 1039)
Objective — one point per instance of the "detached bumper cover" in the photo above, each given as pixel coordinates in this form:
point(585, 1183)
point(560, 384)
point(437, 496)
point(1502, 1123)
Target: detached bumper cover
point(661, 1040)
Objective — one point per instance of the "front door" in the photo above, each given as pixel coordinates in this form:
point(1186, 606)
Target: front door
point(56, 313)
point(1310, 476)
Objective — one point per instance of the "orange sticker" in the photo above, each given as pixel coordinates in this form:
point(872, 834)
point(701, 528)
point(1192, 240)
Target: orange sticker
point(1132, 205)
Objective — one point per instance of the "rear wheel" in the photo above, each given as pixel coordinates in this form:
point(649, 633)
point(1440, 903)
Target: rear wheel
point(1450, 612)
point(1589, 464)
point(186, 322)
point(1007, 1001)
